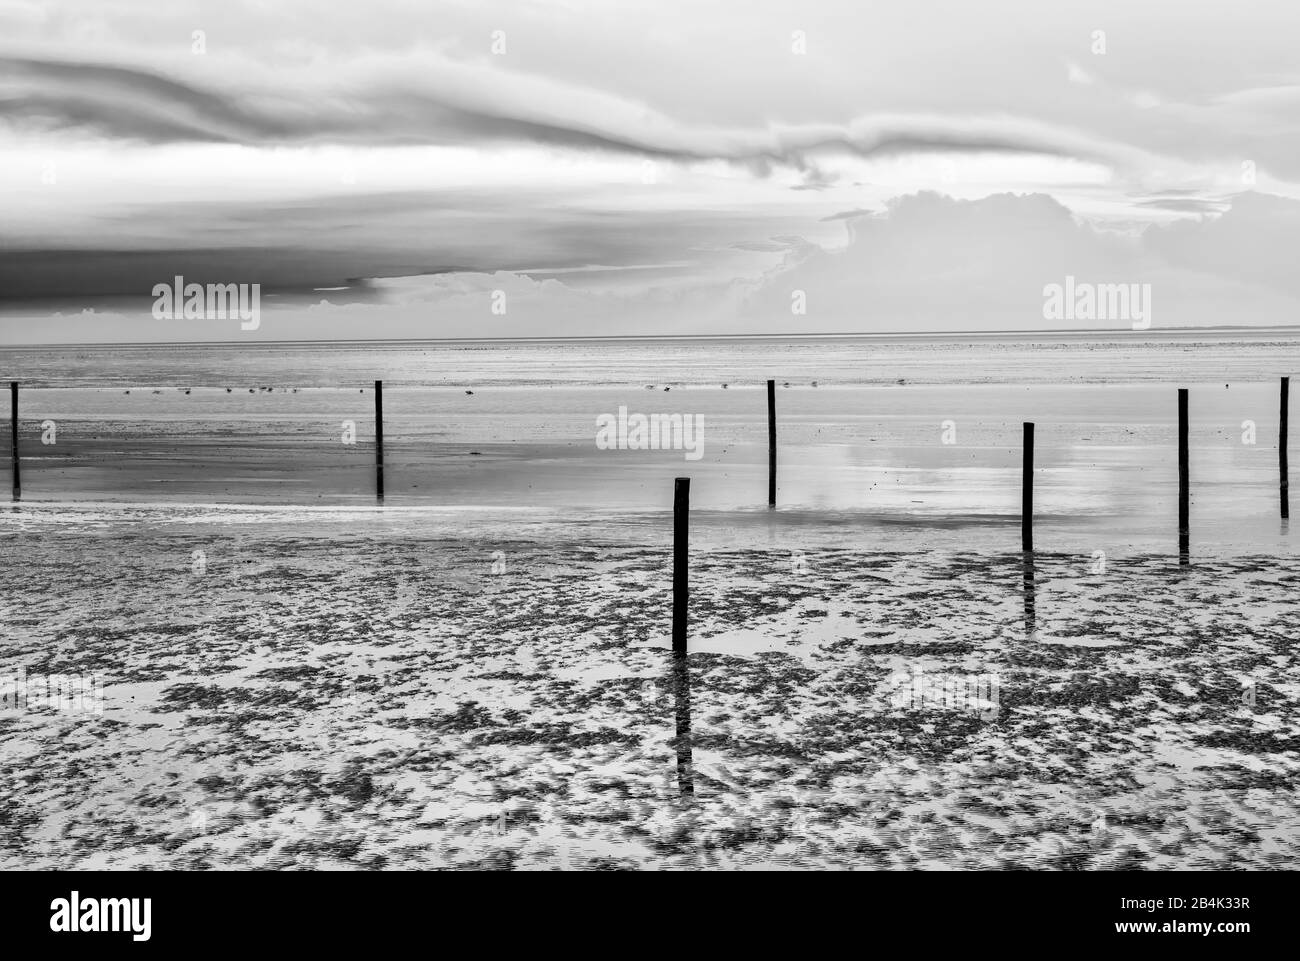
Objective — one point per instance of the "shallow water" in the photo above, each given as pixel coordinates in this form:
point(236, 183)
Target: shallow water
point(1105, 455)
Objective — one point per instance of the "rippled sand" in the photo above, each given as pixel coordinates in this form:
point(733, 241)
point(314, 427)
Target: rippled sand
point(364, 691)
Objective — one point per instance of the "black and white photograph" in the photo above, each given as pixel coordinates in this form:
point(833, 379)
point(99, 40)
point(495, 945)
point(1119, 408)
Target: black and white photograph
point(563, 436)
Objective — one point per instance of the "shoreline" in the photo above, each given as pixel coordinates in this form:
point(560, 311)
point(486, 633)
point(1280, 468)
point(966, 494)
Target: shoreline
point(1116, 335)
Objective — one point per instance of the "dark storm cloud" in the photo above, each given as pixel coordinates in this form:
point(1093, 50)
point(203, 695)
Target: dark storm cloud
point(333, 241)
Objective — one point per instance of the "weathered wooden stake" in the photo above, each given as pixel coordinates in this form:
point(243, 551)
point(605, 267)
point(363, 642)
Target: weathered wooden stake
point(1281, 450)
point(1027, 492)
point(379, 440)
point(681, 513)
point(13, 435)
point(1184, 482)
point(771, 443)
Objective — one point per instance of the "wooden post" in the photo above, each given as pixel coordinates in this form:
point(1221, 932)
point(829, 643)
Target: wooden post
point(771, 443)
point(1184, 482)
point(1027, 568)
point(1027, 492)
point(379, 440)
point(13, 435)
point(682, 694)
point(1281, 450)
point(681, 512)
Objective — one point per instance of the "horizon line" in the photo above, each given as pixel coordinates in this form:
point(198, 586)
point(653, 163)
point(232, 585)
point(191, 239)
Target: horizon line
point(598, 338)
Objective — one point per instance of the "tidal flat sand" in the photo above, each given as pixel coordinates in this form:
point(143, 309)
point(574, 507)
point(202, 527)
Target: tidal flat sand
point(364, 691)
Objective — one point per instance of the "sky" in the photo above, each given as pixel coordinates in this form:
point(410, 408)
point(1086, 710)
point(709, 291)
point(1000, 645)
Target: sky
point(560, 167)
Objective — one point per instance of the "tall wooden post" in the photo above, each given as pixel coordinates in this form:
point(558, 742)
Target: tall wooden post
point(681, 513)
point(1184, 482)
point(1027, 491)
point(1027, 569)
point(771, 443)
point(13, 436)
point(379, 440)
point(1281, 450)
point(682, 694)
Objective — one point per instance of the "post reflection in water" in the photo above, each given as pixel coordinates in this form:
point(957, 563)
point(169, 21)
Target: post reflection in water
point(1027, 564)
point(681, 685)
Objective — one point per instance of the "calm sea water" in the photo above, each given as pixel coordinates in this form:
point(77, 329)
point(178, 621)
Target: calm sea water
point(919, 431)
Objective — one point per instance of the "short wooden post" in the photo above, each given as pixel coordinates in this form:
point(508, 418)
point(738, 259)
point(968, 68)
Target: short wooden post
point(379, 440)
point(1184, 482)
point(771, 443)
point(681, 513)
point(13, 435)
point(1281, 450)
point(1027, 491)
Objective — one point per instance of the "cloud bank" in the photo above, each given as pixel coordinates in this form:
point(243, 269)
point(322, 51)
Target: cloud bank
point(927, 263)
point(934, 263)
